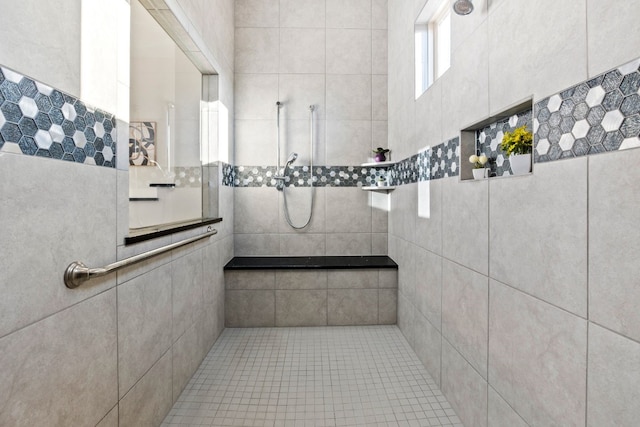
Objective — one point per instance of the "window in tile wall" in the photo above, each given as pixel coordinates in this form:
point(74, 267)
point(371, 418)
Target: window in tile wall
point(432, 43)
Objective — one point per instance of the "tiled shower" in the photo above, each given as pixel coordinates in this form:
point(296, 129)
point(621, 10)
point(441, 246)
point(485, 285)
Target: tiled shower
point(515, 291)
point(518, 294)
point(333, 57)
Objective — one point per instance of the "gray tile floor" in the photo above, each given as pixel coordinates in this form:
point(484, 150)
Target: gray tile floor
point(328, 376)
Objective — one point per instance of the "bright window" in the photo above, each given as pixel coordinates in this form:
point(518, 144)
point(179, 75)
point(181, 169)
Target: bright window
point(432, 43)
point(442, 36)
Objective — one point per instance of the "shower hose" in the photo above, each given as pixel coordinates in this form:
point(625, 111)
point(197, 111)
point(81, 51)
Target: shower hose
point(281, 184)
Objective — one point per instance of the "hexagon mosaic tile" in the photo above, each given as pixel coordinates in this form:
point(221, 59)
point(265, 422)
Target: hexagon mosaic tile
point(489, 138)
point(299, 176)
point(596, 116)
point(38, 120)
point(445, 159)
point(437, 162)
point(599, 115)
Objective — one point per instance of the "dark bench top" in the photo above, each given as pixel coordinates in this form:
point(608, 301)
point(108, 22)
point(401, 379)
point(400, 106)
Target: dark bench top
point(310, 262)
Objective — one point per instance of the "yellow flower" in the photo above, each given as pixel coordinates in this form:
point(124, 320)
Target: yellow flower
point(520, 141)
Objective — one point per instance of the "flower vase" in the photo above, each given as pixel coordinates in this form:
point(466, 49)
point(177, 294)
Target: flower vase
point(380, 157)
point(479, 173)
point(520, 163)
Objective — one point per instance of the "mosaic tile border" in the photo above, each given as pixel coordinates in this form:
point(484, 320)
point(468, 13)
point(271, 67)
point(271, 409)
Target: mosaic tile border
point(323, 176)
point(596, 116)
point(405, 171)
point(445, 159)
point(488, 141)
point(441, 161)
point(38, 120)
point(228, 174)
point(187, 176)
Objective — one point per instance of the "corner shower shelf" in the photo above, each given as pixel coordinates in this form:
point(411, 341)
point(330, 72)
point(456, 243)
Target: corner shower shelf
point(385, 189)
point(378, 164)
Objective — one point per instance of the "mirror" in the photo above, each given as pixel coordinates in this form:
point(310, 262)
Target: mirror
point(170, 131)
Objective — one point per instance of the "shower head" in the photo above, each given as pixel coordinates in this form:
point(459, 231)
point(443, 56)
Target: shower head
point(463, 7)
point(292, 158)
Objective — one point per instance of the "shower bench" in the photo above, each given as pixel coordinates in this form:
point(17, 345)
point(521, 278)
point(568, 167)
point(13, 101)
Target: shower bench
point(310, 291)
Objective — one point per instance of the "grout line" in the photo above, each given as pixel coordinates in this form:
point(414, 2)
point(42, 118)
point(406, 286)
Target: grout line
point(488, 288)
point(508, 404)
point(586, 30)
point(116, 407)
point(494, 279)
point(57, 312)
point(117, 288)
point(465, 359)
point(586, 383)
point(539, 299)
point(619, 334)
point(488, 340)
point(172, 341)
point(153, 365)
point(441, 277)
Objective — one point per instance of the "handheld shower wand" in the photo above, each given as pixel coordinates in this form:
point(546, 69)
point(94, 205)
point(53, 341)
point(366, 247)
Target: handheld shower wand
point(281, 178)
point(292, 158)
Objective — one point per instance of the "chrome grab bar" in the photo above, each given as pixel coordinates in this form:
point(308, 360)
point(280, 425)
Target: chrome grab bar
point(77, 273)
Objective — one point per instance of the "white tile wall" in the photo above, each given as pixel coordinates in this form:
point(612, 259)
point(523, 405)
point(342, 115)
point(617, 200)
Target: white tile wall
point(302, 50)
point(613, 243)
point(256, 50)
point(555, 267)
point(328, 56)
point(150, 398)
point(349, 97)
point(353, 14)
point(257, 13)
point(501, 414)
point(78, 348)
point(545, 348)
point(298, 92)
point(379, 14)
point(255, 96)
point(560, 64)
point(429, 286)
point(60, 212)
point(302, 13)
point(465, 307)
point(348, 51)
point(465, 217)
point(379, 52)
point(464, 387)
point(348, 141)
point(57, 62)
point(41, 237)
point(529, 233)
point(611, 45)
point(144, 324)
point(613, 378)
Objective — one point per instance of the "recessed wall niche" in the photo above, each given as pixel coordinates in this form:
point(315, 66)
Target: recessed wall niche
point(484, 137)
